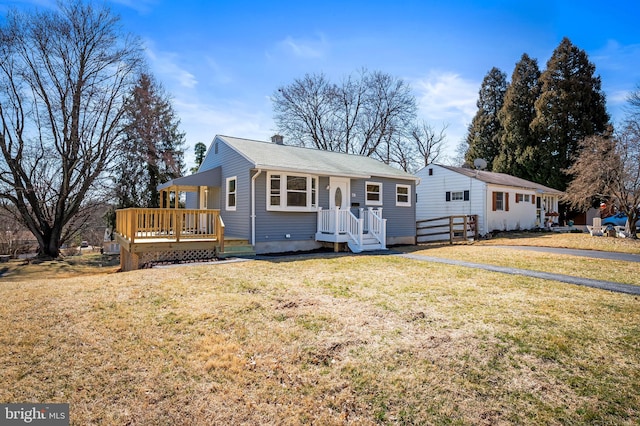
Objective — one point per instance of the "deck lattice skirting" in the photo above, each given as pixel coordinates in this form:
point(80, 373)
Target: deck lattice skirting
point(134, 261)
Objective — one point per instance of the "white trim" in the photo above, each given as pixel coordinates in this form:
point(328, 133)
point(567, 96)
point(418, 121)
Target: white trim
point(334, 184)
point(404, 203)
point(311, 189)
point(457, 199)
point(253, 206)
point(227, 193)
point(366, 194)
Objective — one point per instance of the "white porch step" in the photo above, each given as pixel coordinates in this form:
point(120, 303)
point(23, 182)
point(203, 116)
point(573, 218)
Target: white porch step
point(368, 244)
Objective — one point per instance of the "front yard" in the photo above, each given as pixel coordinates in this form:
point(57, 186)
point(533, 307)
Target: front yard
point(322, 340)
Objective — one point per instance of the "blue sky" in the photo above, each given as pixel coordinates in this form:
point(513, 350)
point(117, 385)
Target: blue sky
point(222, 60)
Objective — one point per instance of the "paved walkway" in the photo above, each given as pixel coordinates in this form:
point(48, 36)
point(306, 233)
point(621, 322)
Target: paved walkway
point(587, 282)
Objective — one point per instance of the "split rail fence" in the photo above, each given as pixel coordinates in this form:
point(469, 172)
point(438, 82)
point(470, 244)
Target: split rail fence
point(447, 228)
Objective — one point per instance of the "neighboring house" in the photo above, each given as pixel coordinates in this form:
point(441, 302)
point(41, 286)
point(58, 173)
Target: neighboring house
point(501, 202)
point(286, 198)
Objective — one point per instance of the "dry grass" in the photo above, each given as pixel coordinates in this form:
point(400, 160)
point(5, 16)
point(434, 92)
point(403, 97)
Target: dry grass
point(339, 340)
point(585, 267)
point(67, 267)
point(577, 241)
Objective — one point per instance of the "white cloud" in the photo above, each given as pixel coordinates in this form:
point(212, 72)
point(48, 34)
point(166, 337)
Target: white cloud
point(305, 48)
point(166, 67)
point(218, 73)
point(618, 97)
point(203, 121)
point(445, 98)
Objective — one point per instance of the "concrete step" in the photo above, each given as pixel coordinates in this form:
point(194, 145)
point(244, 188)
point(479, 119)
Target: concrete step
point(237, 250)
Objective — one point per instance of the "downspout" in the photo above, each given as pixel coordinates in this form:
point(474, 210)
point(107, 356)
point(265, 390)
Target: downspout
point(253, 206)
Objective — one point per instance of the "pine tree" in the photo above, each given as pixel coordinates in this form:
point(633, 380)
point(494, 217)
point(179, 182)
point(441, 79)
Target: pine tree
point(152, 145)
point(571, 107)
point(485, 130)
point(199, 150)
point(519, 143)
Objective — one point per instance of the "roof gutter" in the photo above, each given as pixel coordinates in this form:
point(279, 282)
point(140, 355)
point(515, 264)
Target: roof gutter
point(253, 206)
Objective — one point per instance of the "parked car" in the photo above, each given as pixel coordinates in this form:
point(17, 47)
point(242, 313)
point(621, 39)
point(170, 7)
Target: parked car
point(619, 219)
point(84, 244)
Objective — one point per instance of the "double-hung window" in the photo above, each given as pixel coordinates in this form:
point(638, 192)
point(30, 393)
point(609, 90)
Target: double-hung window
point(373, 192)
point(292, 192)
point(403, 195)
point(500, 201)
point(231, 193)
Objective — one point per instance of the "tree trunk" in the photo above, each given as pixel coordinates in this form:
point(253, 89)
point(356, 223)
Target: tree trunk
point(49, 244)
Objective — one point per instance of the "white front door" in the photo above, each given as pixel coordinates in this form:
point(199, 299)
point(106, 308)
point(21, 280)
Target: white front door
point(339, 195)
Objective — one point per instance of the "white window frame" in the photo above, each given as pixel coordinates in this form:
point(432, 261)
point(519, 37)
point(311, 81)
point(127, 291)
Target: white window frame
point(227, 193)
point(459, 196)
point(408, 194)
point(500, 202)
point(367, 192)
point(311, 193)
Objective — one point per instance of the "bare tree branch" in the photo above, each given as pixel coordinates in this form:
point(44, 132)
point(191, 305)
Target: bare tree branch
point(63, 78)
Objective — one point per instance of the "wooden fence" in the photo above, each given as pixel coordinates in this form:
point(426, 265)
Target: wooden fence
point(447, 228)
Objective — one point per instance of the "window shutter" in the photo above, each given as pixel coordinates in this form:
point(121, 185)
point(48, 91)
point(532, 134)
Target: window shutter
point(466, 195)
point(533, 199)
point(495, 198)
point(506, 201)
point(448, 196)
point(517, 195)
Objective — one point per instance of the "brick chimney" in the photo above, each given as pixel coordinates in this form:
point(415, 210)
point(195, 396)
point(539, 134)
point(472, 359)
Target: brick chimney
point(277, 139)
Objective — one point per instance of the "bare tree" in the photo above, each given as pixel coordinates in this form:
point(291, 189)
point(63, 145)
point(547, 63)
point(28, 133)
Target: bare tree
point(428, 142)
point(364, 115)
point(608, 168)
point(63, 77)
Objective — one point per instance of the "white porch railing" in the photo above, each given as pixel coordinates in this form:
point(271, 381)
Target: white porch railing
point(342, 225)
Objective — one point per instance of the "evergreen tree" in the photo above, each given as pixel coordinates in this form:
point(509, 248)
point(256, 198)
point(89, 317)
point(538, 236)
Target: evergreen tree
point(152, 145)
point(485, 129)
point(199, 150)
point(518, 145)
point(571, 107)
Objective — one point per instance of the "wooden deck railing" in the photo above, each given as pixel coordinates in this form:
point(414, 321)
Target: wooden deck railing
point(137, 224)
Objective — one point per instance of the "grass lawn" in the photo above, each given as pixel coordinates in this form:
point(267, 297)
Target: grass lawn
point(321, 340)
point(70, 266)
point(569, 240)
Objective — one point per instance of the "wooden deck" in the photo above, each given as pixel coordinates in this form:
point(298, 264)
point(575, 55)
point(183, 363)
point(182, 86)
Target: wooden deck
point(153, 235)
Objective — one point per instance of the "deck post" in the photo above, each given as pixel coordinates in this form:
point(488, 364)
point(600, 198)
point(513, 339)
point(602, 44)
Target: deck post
point(451, 230)
point(132, 219)
point(464, 229)
point(178, 222)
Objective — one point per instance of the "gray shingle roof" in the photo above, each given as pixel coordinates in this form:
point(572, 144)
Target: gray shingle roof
point(502, 179)
point(271, 156)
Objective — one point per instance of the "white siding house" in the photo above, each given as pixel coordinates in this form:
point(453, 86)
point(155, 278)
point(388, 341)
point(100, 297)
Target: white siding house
point(502, 202)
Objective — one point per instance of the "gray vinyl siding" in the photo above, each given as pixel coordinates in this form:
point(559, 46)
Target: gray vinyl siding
point(273, 226)
point(401, 220)
point(237, 223)
point(301, 226)
point(191, 201)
